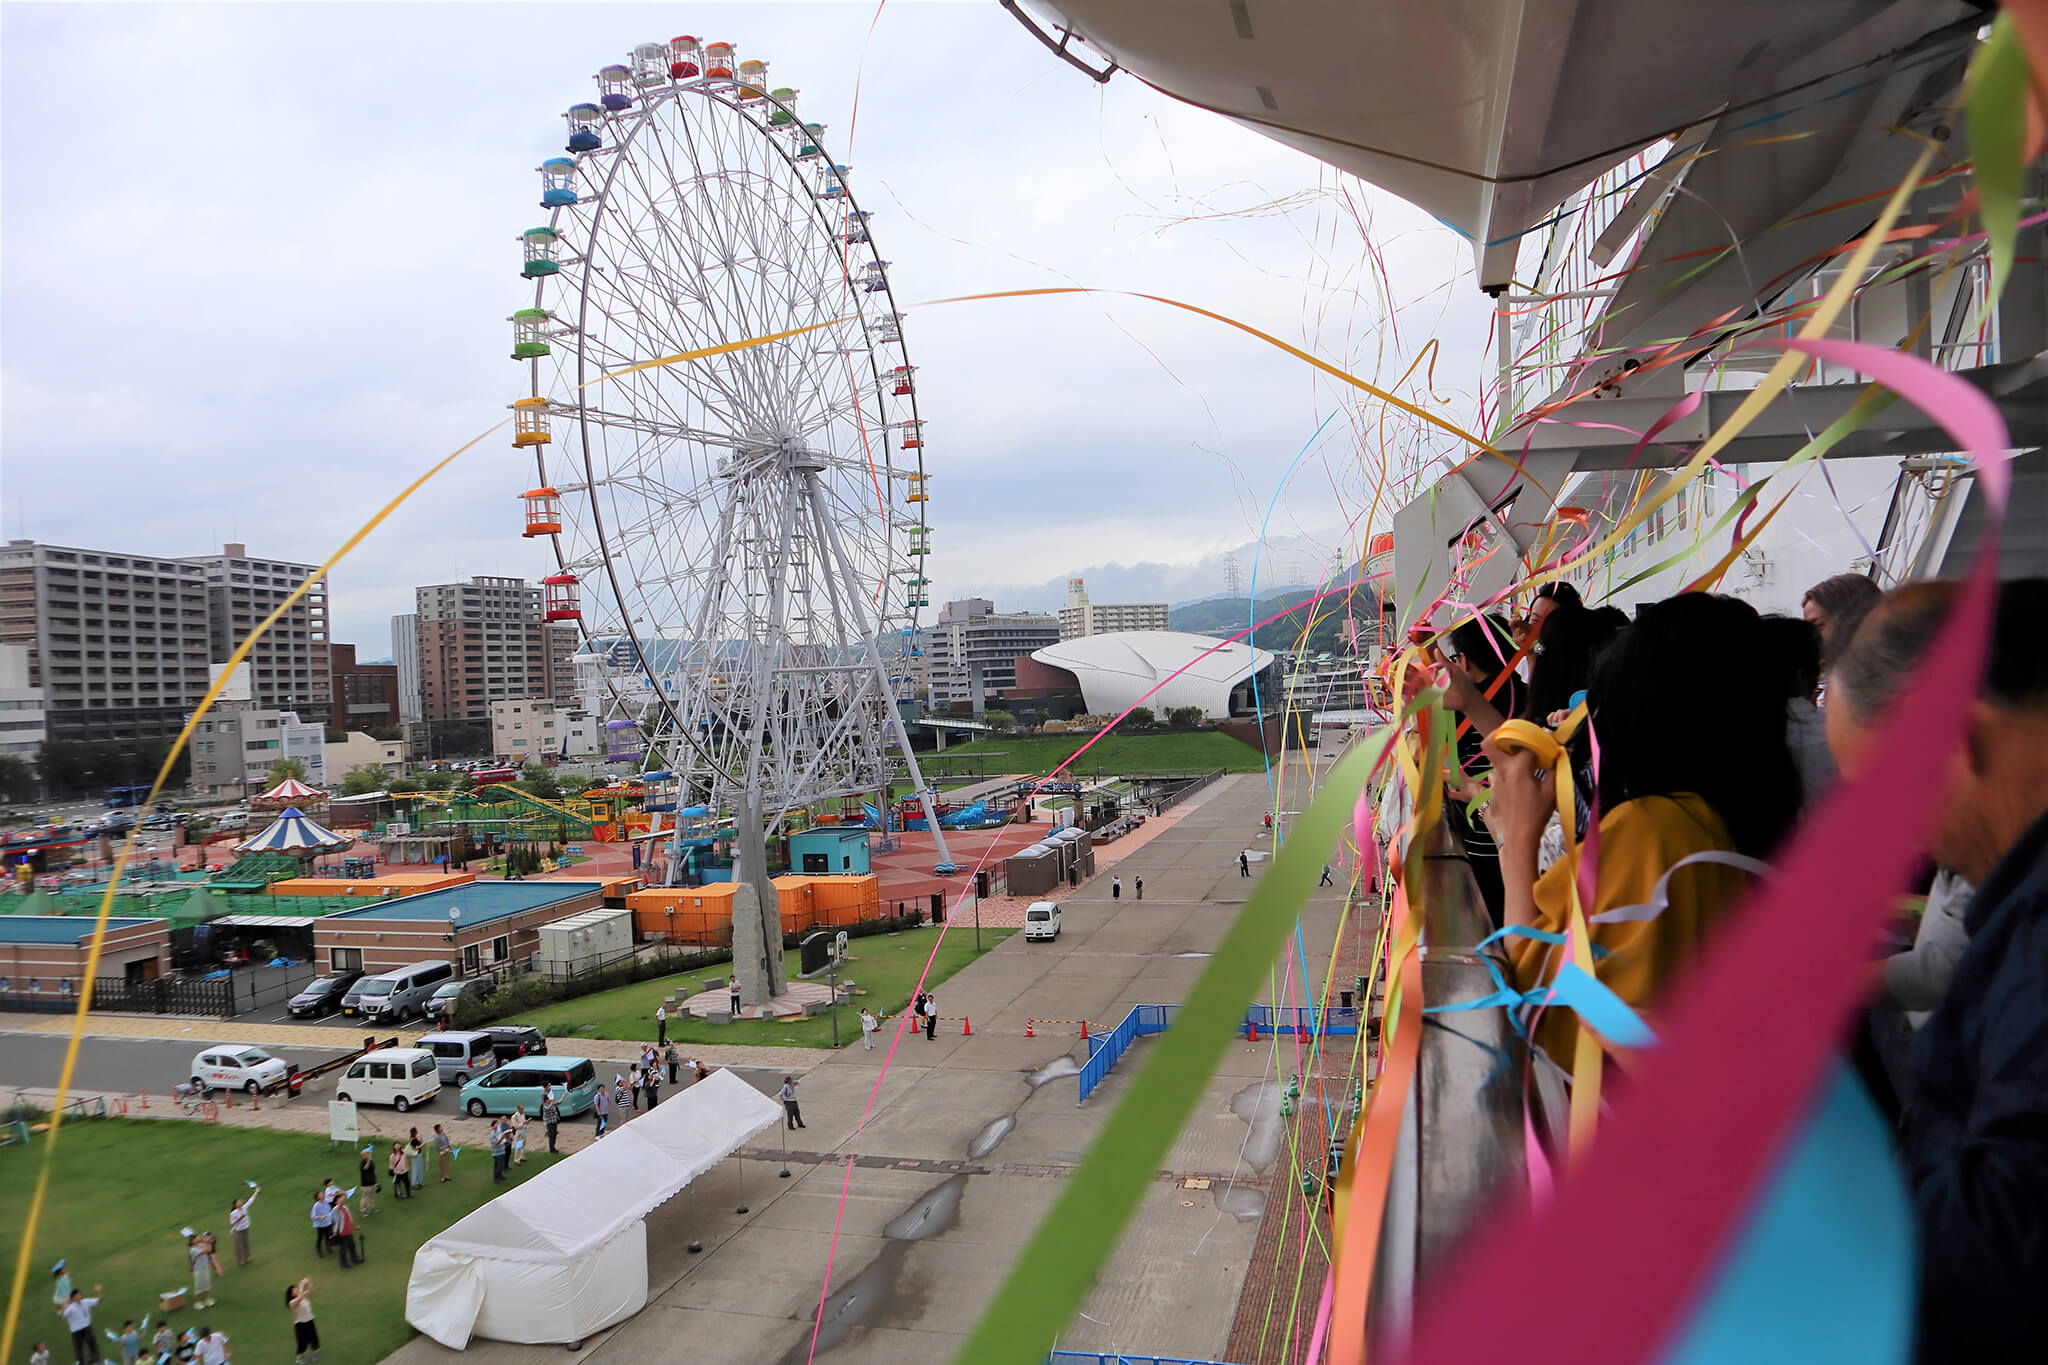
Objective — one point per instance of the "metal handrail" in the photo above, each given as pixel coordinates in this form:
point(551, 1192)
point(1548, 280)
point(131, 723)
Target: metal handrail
point(1461, 1141)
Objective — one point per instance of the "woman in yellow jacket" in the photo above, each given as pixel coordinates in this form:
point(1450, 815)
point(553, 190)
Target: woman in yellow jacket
point(1688, 727)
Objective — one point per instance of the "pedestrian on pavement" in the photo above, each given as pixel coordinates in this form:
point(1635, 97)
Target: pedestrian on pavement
point(238, 1224)
point(1244, 864)
point(501, 1150)
point(366, 1179)
point(661, 1025)
point(401, 1172)
point(213, 1347)
point(444, 1151)
point(601, 1106)
point(931, 1017)
point(868, 1025)
point(345, 1232)
point(550, 1118)
point(732, 988)
point(516, 1129)
point(417, 1152)
point(305, 1332)
point(1116, 888)
point(674, 1063)
point(1140, 884)
point(1326, 876)
point(633, 1083)
point(791, 1113)
point(652, 1078)
point(323, 1222)
point(1269, 822)
point(702, 1070)
point(77, 1314)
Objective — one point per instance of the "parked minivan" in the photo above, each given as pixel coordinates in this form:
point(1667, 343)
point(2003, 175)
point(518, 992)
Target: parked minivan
point(523, 1081)
point(460, 1055)
point(394, 995)
point(398, 1076)
point(1041, 920)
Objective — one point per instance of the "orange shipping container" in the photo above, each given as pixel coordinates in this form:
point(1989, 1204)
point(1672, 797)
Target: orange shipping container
point(692, 914)
point(844, 900)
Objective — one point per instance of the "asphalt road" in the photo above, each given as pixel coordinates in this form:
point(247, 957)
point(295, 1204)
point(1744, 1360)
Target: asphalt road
point(123, 1064)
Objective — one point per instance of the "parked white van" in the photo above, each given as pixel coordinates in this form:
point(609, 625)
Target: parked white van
point(1041, 920)
point(398, 1076)
point(397, 995)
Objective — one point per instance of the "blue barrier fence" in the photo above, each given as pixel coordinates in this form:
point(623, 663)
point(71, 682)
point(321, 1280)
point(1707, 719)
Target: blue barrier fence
point(1111, 1358)
point(1304, 1020)
point(1105, 1049)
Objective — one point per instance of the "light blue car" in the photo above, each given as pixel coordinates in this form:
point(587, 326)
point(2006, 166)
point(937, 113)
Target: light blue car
point(523, 1080)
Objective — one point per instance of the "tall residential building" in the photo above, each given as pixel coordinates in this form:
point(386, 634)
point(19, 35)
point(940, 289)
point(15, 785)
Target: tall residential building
point(405, 653)
point(1081, 617)
point(117, 642)
point(535, 728)
point(974, 650)
point(23, 723)
point(288, 667)
point(233, 748)
point(365, 695)
point(484, 641)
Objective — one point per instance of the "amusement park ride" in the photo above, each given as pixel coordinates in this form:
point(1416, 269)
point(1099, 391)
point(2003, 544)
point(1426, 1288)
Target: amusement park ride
point(748, 523)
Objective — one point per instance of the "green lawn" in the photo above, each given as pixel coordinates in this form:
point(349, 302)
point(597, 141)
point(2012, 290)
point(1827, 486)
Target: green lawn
point(1200, 751)
point(883, 967)
point(121, 1188)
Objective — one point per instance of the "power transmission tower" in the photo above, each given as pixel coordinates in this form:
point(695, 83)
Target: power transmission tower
point(1233, 577)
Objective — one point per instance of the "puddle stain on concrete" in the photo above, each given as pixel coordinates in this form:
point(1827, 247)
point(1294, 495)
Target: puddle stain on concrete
point(1053, 1070)
point(1246, 1206)
point(878, 1293)
point(991, 1134)
point(1258, 1104)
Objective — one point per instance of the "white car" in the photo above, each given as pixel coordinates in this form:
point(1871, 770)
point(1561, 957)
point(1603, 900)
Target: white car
point(237, 1066)
point(1041, 920)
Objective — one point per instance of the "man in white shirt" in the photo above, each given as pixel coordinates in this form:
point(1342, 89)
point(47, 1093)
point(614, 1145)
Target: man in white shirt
point(77, 1315)
point(661, 1025)
point(213, 1347)
point(868, 1025)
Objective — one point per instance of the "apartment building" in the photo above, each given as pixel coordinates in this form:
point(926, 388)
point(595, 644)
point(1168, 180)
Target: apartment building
point(288, 668)
point(974, 650)
point(539, 727)
point(23, 722)
point(232, 749)
point(405, 655)
point(484, 641)
point(1080, 617)
point(365, 696)
point(117, 642)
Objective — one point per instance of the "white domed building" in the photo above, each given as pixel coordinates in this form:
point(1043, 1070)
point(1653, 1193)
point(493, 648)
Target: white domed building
point(1115, 670)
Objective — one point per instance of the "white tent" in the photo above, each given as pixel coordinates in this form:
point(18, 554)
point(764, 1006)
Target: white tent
point(565, 1254)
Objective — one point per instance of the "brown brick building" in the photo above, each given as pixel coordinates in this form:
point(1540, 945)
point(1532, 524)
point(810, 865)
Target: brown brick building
point(365, 695)
point(484, 641)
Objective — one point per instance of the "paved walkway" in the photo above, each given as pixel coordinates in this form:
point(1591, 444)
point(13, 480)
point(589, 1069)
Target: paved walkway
point(981, 1132)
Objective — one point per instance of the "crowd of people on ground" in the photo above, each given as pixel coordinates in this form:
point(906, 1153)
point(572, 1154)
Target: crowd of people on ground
point(1702, 732)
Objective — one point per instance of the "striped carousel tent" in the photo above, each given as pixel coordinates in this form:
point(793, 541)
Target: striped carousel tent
point(290, 792)
point(295, 833)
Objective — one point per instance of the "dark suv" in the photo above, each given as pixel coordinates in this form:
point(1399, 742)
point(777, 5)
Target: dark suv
point(516, 1040)
point(322, 994)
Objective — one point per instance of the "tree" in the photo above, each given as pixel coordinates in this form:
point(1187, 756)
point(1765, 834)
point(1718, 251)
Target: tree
point(1141, 717)
point(17, 779)
point(539, 780)
point(388, 733)
point(363, 779)
point(999, 720)
point(399, 785)
point(1184, 717)
point(280, 769)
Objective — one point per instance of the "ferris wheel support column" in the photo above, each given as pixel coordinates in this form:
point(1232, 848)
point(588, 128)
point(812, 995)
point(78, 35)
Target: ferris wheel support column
point(874, 658)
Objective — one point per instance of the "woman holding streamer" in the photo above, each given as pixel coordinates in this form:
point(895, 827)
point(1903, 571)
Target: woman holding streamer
point(1483, 688)
point(1692, 760)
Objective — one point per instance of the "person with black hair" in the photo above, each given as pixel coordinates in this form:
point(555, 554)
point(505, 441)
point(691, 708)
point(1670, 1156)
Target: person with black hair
point(1561, 664)
point(1481, 686)
point(1692, 760)
point(1835, 605)
point(1975, 1136)
point(1792, 653)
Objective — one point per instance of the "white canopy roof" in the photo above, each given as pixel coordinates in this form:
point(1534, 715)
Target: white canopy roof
point(1117, 668)
point(577, 1205)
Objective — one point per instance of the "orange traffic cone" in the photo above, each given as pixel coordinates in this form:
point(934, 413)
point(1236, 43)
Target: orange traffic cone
point(145, 1099)
point(1251, 1029)
point(966, 1027)
point(1028, 1033)
point(1084, 1029)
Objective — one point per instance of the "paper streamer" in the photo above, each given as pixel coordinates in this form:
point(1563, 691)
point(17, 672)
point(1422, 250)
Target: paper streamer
point(1776, 984)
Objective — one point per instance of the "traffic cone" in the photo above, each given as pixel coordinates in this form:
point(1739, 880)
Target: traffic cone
point(1084, 1030)
point(1251, 1029)
point(966, 1027)
point(145, 1099)
point(1028, 1032)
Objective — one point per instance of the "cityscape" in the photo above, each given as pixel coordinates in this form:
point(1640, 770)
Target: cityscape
point(1032, 683)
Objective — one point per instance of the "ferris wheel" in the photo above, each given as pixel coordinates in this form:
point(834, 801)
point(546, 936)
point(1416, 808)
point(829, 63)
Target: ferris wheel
point(743, 533)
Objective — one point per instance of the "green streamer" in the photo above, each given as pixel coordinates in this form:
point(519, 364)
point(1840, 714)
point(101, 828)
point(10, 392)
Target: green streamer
point(1998, 132)
point(1056, 1269)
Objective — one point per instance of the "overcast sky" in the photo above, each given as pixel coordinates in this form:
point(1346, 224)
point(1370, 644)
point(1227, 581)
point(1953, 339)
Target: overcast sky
point(257, 261)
